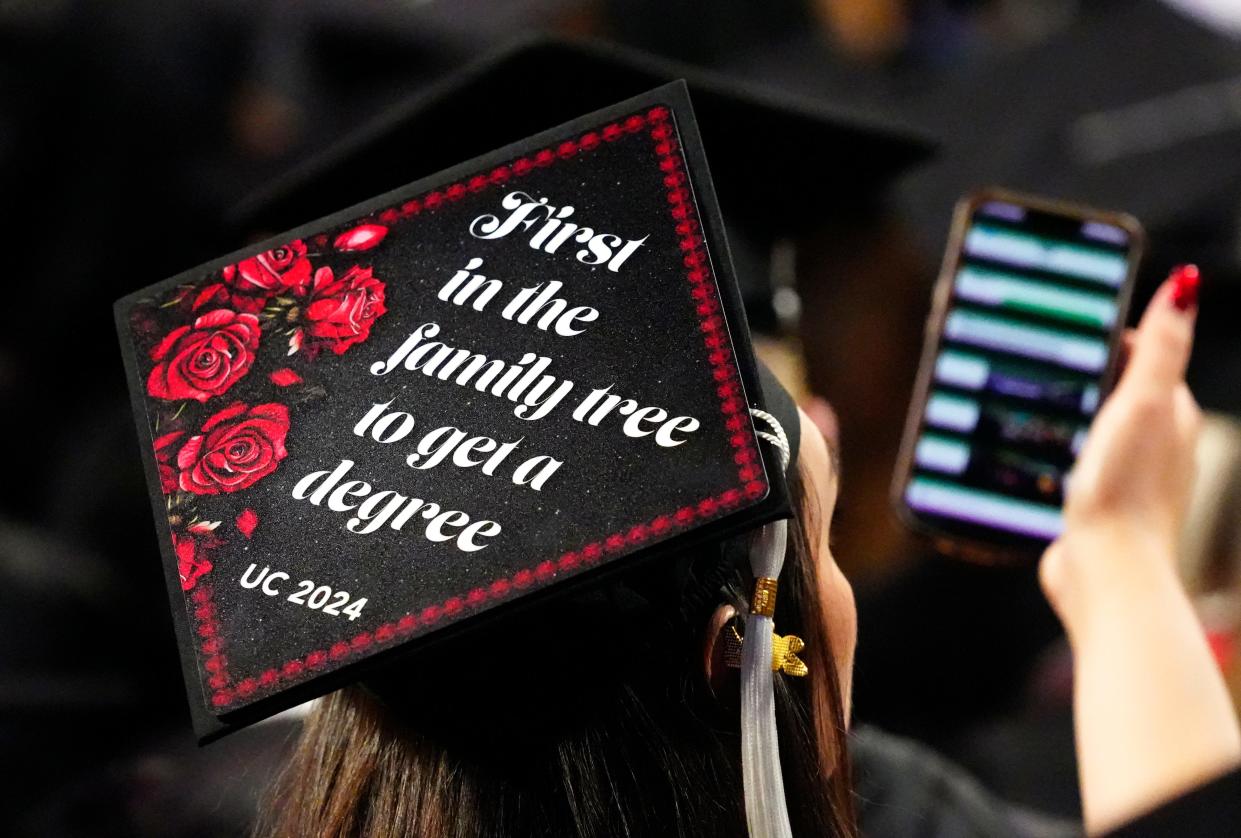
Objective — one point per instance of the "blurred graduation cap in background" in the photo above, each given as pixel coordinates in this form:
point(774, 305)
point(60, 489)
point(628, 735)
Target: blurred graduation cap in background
point(782, 163)
point(1133, 107)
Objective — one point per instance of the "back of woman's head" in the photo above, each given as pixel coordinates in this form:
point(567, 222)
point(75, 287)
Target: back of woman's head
point(590, 716)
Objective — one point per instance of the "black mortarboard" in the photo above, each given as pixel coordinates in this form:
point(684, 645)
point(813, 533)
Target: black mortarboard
point(783, 164)
point(466, 395)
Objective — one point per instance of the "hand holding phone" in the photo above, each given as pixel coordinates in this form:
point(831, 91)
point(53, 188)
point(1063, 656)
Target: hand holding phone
point(1152, 714)
point(1020, 349)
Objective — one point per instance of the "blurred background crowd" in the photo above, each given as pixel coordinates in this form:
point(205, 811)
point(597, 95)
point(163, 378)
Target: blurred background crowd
point(141, 137)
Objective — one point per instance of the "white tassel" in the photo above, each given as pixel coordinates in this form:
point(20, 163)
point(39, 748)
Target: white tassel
point(766, 810)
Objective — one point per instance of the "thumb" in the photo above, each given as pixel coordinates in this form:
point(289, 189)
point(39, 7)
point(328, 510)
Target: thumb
point(1165, 336)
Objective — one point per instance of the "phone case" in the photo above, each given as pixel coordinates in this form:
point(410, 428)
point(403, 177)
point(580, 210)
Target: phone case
point(1001, 550)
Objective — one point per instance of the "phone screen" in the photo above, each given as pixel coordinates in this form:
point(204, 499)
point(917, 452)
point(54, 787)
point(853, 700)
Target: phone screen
point(1024, 347)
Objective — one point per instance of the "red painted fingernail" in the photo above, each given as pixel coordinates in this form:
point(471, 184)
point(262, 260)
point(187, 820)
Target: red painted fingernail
point(1185, 286)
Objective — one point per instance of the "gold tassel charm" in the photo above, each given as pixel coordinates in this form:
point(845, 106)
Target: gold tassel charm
point(784, 655)
point(763, 602)
point(783, 652)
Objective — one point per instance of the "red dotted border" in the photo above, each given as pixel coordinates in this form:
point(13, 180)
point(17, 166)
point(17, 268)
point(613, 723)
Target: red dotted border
point(714, 328)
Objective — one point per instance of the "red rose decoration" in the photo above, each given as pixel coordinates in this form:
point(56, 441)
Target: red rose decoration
point(191, 561)
point(167, 478)
point(247, 522)
point(163, 453)
point(206, 359)
point(285, 378)
point(252, 281)
point(282, 269)
point(363, 237)
point(217, 294)
point(238, 446)
point(341, 311)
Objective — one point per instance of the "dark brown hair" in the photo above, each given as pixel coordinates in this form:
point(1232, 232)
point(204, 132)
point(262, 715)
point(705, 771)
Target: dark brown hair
point(590, 722)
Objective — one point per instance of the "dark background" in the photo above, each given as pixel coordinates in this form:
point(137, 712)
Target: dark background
point(131, 132)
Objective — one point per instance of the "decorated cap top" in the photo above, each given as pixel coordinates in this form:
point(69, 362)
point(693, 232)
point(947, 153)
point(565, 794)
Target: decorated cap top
point(494, 384)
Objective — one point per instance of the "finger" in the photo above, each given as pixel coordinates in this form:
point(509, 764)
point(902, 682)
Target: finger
point(1187, 419)
point(1051, 572)
point(1186, 414)
point(1166, 334)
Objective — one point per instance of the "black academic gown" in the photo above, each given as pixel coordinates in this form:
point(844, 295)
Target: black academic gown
point(904, 789)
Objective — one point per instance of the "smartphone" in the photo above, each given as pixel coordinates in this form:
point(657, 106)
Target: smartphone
point(1021, 346)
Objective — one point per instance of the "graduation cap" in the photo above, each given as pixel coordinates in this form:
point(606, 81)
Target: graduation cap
point(486, 389)
point(470, 395)
point(783, 163)
point(1127, 127)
